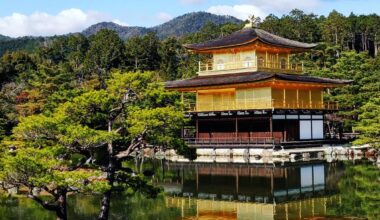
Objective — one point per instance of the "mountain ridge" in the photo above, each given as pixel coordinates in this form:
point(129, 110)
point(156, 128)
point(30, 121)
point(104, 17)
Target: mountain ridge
point(177, 27)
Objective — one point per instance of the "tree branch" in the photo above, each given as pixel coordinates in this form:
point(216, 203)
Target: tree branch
point(137, 141)
point(46, 205)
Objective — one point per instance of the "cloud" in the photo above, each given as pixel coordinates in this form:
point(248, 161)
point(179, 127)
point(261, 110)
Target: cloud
point(262, 8)
point(239, 11)
point(117, 21)
point(164, 17)
point(285, 6)
point(44, 24)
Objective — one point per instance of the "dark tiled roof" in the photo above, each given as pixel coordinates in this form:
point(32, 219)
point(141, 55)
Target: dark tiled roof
point(248, 35)
point(247, 77)
point(312, 79)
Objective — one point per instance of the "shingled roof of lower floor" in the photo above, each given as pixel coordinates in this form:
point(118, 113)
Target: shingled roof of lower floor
point(248, 77)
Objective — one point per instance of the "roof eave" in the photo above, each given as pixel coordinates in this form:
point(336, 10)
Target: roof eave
point(208, 49)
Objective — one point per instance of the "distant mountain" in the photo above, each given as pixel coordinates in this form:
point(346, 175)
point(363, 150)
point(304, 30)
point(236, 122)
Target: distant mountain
point(190, 23)
point(179, 26)
point(3, 38)
point(123, 31)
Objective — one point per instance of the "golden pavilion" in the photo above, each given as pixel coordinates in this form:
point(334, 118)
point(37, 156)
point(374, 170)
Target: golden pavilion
point(251, 94)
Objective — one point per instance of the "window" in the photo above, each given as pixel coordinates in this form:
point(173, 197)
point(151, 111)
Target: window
point(283, 63)
point(261, 62)
point(305, 129)
point(317, 129)
point(248, 63)
point(220, 65)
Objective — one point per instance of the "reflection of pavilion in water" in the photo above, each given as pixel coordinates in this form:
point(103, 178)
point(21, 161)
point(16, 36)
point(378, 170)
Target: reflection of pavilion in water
point(201, 209)
point(260, 191)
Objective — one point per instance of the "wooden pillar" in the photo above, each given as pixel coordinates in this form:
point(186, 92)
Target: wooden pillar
point(271, 125)
point(196, 129)
point(322, 104)
point(272, 181)
point(277, 62)
point(284, 129)
point(196, 101)
point(310, 101)
point(266, 59)
point(236, 128)
point(197, 175)
point(289, 62)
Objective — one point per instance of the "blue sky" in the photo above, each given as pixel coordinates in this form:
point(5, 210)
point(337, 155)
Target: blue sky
point(49, 17)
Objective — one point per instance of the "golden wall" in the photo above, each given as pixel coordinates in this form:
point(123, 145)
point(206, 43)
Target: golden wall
point(259, 98)
point(215, 101)
point(253, 98)
point(226, 62)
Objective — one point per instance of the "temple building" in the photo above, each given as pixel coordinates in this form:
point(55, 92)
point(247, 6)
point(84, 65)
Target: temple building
point(250, 93)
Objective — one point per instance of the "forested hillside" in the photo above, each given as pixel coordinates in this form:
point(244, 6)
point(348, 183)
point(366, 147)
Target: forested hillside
point(28, 44)
point(358, 32)
point(178, 27)
point(39, 81)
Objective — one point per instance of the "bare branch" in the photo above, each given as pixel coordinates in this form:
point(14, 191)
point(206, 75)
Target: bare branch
point(47, 205)
point(119, 129)
point(136, 142)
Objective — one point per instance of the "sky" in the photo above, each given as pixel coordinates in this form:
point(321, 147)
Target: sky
point(54, 17)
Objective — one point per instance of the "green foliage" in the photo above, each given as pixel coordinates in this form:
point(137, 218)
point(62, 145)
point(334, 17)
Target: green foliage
point(170, 52)
point(369, 123)
point(296, 25)
point(27, 44)
point(163, 125)
point(52, 147)
point(359, 192)
point(364, 73)
point(106, 51)
point(142, 52)
point(32, 167)
point(335, 28)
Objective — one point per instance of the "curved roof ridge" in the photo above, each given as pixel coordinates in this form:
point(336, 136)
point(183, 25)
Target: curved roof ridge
point(248, 77)
point(295, 77)
point(266, 36)
point(248, 35)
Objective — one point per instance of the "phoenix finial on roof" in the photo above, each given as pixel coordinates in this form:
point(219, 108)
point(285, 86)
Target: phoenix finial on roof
point(252, 21)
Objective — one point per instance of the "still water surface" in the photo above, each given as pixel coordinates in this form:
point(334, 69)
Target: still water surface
point(292, 190)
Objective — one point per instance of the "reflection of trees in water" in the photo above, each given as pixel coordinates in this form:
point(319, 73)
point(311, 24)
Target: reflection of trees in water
point(21, 208)
point(139, 207)
point(359, 192)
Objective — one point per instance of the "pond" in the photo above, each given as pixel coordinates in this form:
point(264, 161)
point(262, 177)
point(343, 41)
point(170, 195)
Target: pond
point(314, 189)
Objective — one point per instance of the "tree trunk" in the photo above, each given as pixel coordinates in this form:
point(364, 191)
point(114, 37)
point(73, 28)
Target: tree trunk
point(106, 199)
point(62, 205)
point(375, 45)
point(363, 42)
